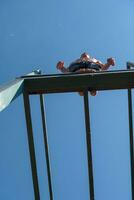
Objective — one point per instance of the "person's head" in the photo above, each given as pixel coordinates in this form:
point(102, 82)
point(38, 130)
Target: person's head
point(85, 56)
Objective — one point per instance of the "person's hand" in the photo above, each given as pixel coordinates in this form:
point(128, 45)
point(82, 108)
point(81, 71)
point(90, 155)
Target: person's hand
point(60, 65)
point(111, 61)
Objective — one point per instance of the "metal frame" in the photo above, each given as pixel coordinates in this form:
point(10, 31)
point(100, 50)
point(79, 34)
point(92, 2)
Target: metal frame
point(31, 146)
point(89, 145)
point(43, 84)
point(130, 114)
point(108, 80)
point(42, 107)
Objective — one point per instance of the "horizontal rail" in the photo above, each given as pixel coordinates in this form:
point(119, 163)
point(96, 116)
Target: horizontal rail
point(35, 83)
point(107, 80)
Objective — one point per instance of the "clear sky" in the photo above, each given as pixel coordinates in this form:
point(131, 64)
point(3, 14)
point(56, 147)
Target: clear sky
point(36, 34)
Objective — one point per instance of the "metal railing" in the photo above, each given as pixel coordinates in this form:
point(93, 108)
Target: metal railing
point(58, 83)
point(130, 114)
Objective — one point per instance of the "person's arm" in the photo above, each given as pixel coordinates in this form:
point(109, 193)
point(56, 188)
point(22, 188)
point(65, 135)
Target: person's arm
point(98, 62)
point(94, 60)
point(60, 66)
point(110, 61)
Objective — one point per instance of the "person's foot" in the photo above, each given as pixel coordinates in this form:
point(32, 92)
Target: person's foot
point(93, 93)
point(81, 94)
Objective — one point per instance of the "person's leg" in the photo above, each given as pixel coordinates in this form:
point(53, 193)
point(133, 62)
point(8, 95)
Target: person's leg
point(93, 93)
point(87, 70)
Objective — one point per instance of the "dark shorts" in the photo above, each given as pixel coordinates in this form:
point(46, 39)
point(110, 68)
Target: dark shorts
point(83, 65)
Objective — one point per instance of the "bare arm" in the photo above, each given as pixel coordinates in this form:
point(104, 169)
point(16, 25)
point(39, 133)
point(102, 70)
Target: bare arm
point(60, 66)
point(110, 61)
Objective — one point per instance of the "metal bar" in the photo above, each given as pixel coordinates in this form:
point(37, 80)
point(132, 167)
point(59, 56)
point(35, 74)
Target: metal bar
point(34, 73)
point(43, 116)
point(38, 84)
point(39, 75)
point(31, 146)
point(131, 140)
point(131, 136)
point(89, 145)
point(77, 82)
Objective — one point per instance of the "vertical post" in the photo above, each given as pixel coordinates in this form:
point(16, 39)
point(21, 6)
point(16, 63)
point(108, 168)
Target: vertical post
point(42, 107)
point(31, 146)
point(89, 148)
point(131, 138)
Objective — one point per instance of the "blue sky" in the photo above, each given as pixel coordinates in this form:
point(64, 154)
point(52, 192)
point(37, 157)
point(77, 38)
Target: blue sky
point(36, 34)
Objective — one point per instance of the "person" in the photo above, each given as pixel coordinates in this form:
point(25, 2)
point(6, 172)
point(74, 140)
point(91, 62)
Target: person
point(85, 64)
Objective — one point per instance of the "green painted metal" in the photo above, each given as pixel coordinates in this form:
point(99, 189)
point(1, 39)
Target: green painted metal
point(89, 145)
point(130, 115)
point(12, 90)
point(34, 83)
point(31, 146)
point(131, 142)
point(108, 80)
point(45, 137)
